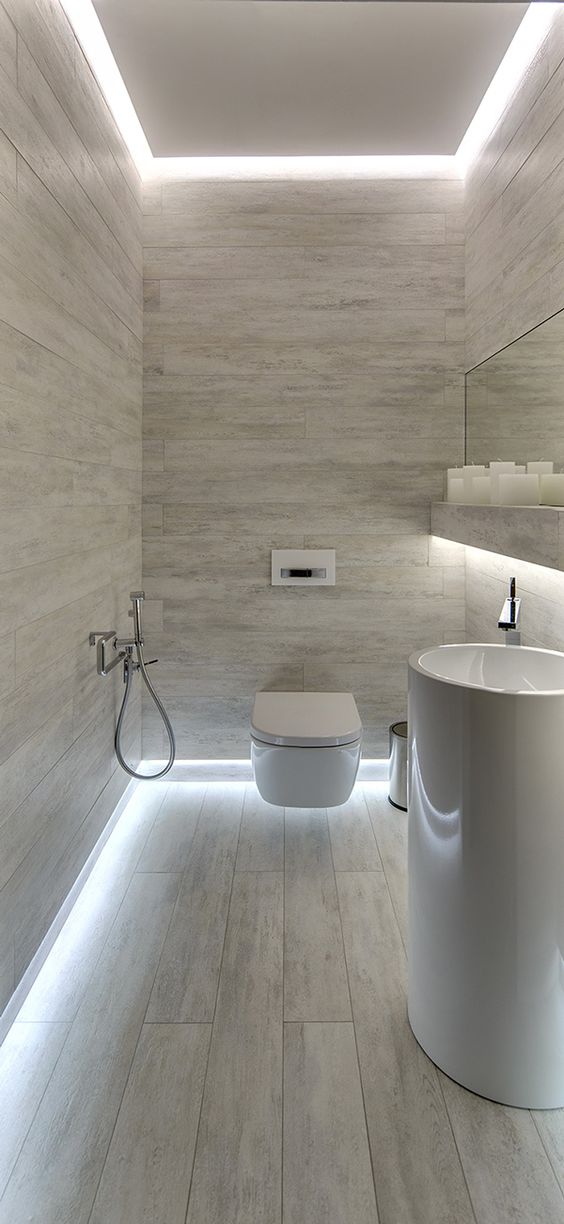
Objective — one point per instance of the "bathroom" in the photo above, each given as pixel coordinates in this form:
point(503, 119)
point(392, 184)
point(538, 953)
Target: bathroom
point(270, 269)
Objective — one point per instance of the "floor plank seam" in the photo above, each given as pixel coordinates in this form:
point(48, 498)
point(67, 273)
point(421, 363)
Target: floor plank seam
point(282, 1006)
point(212, 1025)
point(127, 1077)
point(360, 1080)
point(36, 1111)
point(390, 892)
point(70, 1023)
point(456, 1147)
point(546, 1151)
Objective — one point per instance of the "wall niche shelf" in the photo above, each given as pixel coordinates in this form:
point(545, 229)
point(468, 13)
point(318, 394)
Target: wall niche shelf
point(529, 533)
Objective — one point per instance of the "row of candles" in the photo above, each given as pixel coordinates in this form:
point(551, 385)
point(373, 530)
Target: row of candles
point(506, 484)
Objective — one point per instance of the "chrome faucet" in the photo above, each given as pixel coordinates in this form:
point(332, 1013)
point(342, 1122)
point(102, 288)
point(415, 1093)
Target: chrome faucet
point(510, 617)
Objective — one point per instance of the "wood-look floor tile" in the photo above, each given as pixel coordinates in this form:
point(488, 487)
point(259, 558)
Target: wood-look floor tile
point(237, 1171)
point(146, 1178)
point(550, 1125)
point(27, 1058)
point(315, 976)
point(509, 1175)
point(61, 984)
point(261, 843)
point(417, 1172)
point(327, 1173)
point(187, 979)
point(390, 830)
point(169, 842)
point(56, 1175)
point(352, 839)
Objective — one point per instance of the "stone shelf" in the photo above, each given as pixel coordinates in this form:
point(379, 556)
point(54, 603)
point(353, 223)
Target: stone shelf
point(530, 533)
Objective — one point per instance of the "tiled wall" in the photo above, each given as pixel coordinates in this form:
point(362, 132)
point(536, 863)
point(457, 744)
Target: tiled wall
point(70, 421)
point(514, 280)
point(515, 211)
point(303, 349)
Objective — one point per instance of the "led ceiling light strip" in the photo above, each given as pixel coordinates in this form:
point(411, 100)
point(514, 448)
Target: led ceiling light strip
point(86, 25)
point(519, 55)
point(416, 166)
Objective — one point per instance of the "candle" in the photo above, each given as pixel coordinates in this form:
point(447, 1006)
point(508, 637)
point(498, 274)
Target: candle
point(498, 469)
point(453, 474)
point(481, 490)
point(542, 469)
point(518, 490)
point(455, 489)
point(469, 472)
point(552, 490)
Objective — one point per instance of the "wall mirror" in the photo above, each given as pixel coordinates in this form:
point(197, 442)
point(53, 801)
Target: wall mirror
point(515, 399)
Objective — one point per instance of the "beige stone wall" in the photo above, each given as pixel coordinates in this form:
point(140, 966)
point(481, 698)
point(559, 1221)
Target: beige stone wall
point(303, 358)
point(515, 280)
point(70, 422)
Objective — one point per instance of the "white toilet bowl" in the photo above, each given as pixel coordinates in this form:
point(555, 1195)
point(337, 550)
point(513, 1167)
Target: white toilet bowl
point(305, 748)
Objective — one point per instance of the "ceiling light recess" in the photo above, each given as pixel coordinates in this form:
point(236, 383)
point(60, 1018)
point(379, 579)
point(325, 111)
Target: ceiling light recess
point(518, 57)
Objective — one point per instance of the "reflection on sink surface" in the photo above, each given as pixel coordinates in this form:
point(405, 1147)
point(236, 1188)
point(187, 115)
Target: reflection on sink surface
point(486, 868)
point(499, 669)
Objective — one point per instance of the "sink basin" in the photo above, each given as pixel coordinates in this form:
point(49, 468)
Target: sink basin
point(486, 868)
point(499, 669)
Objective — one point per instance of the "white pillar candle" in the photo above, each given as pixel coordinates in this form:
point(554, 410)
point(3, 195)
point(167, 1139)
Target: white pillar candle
point(469, 471)
point(498, 469)
point(518, 490)
point(542, 468)
point(552, 490)
point(453, 474)
point(481, 490)
point(455, 489)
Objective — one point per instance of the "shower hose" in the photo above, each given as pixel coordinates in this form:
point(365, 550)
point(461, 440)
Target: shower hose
point(141, 666)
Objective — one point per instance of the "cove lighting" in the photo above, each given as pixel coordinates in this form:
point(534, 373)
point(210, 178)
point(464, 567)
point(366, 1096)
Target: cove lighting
point(520, 53)
point(371, 769)
point(403, 166)
point(84, 20)
point(518, 57)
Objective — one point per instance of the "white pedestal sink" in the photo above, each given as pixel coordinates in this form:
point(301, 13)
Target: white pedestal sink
point(486, 868)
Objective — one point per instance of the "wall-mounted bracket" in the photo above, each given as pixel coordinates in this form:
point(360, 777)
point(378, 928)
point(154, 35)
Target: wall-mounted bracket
point(107, 654)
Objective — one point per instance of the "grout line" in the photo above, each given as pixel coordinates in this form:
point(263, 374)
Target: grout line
point(212, 1025)
point(132, 1060)
point(438, 1077)
point(352, 1021)
point(531, 1113)
point(39, 1104)
point(282, 1006)
point(390, 893)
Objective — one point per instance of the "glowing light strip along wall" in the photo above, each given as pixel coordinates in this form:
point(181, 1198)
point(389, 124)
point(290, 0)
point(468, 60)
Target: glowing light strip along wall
point(520, 53)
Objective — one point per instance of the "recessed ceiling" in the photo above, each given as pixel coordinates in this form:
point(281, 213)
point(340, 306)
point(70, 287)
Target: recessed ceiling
point(306, 77)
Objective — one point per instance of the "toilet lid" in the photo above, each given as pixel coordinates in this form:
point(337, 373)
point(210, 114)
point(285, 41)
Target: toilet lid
point(306, 720)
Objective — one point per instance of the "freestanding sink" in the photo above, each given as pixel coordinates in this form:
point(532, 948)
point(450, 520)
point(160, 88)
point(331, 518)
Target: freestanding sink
point(486, 868)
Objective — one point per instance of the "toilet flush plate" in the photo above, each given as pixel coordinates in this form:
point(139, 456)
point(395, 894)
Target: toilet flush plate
point(303, 566)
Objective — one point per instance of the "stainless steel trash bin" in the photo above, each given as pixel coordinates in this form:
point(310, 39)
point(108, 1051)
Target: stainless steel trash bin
point(397, 793)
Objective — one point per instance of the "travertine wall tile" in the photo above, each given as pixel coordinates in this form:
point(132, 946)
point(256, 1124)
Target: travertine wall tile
point(70, 461)
point(514, 253)
point(300, 381)
point(514, 195)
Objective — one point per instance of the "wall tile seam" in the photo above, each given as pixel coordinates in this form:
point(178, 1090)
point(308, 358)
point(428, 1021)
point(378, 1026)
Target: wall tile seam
point(137, 271)
point(499, 195)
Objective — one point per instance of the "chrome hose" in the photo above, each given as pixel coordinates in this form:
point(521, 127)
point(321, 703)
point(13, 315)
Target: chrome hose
point(142, 667)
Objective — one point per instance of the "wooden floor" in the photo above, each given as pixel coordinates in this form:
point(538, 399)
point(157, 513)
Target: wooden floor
point(219, 1036)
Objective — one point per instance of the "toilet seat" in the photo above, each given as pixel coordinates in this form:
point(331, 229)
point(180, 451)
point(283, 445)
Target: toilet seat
point(305, 748)
point(306, 720)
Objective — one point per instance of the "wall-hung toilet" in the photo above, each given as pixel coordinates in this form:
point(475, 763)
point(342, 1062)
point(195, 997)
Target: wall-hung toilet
point(305, 747)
